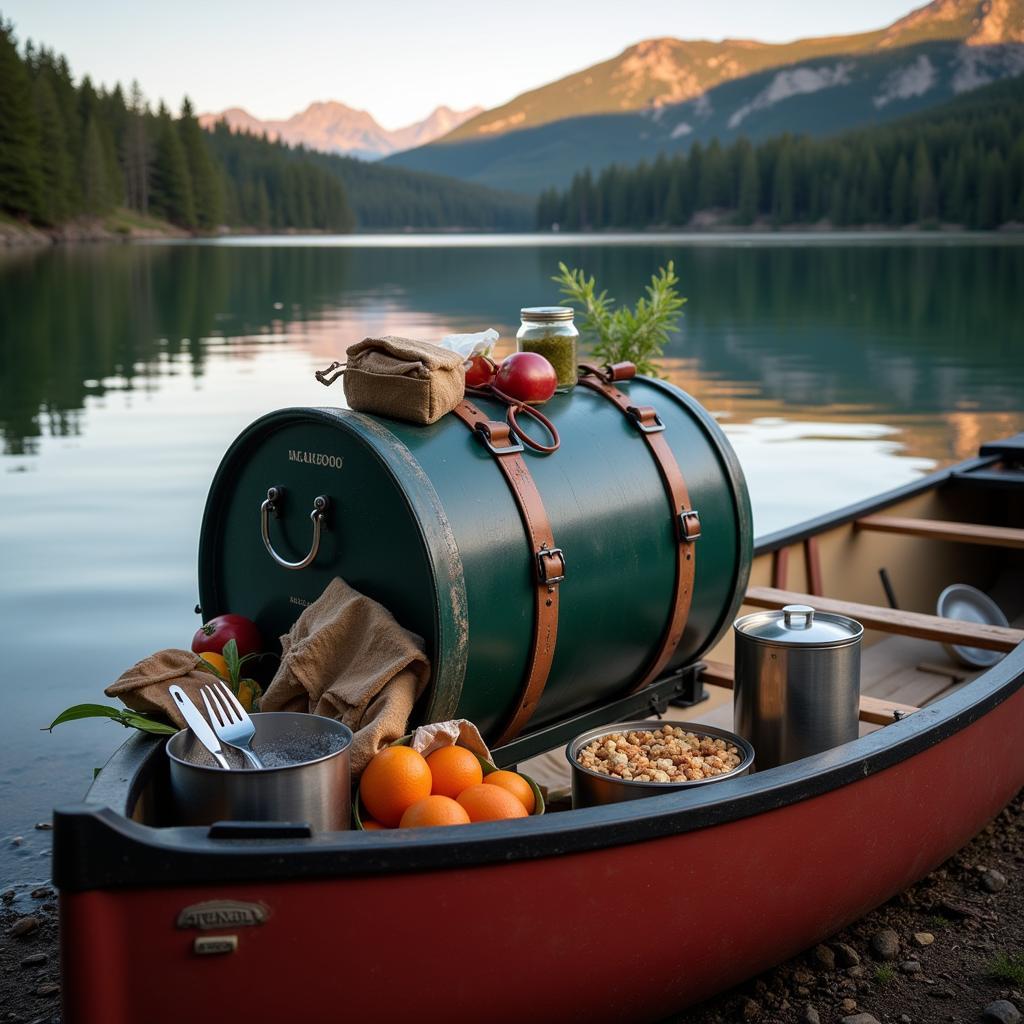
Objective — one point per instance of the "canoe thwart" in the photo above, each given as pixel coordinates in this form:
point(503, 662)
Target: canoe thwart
point(893, 620)
point(934, 529)
point(872, 709)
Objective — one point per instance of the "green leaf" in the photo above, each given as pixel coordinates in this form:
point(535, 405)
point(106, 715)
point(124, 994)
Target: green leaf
point(123, 716)
point(230, 652)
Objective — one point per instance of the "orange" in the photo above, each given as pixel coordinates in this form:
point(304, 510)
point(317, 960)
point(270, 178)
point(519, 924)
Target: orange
point(454, 769)
point(490, 803)
point(248, 694)
point(394, 779)
point(514, 784)
point(219, 663)
point(434, 810)
point(369, 825)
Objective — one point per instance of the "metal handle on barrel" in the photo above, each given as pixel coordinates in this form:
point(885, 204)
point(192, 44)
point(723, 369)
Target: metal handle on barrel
point(275, 495)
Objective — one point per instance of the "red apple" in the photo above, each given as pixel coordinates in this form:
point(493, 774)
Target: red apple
point(479, 371)
point(526, 377)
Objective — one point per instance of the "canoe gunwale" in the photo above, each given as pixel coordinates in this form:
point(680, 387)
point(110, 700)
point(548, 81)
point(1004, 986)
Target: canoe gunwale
point(97, 847)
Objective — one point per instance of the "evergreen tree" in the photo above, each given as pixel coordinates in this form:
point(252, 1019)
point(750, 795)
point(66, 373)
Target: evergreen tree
point(675, 215)
point(782, 187)
point(57, 195)
point(991, 194)
point(96, 189)
point(209, 203)
point(899, 194)
point(748, 200)
point(171, 187)
point(21, 181)
point(135, 152)
point(923, 184)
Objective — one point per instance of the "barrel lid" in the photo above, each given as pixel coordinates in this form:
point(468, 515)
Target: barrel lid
point(799, 625)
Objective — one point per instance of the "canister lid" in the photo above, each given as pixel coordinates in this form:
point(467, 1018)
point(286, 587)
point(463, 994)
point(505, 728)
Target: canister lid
point(799, 625)
point(546, 314)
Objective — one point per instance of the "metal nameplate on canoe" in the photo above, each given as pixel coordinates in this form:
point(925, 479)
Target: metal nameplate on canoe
point(223, 914)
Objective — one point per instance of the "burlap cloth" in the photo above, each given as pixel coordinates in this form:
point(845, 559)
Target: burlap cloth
point(347, 658)
point(144, 686)
point(404, 379)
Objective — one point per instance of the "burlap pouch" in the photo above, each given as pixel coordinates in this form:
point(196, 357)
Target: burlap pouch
point(404, 379)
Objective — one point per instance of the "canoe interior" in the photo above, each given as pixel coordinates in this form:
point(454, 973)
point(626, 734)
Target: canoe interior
point(839, 559)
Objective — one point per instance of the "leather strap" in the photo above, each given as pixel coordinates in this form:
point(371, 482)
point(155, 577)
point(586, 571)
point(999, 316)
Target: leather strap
point(686, 520)
point(547, 561)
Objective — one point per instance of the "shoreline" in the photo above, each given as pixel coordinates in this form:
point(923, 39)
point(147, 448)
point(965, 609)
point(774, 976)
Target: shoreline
point(133, 228)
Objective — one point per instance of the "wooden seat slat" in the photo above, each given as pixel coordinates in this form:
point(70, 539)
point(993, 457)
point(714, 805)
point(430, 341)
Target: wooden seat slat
point(891, 620)
point(934, 529)
point(872, 709)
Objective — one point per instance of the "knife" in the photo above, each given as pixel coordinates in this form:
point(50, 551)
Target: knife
point(194, 717)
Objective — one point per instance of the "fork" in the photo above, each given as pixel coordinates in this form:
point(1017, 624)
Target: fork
point(230, 721)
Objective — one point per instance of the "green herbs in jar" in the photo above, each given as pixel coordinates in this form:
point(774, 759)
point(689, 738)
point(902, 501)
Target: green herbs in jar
point(550, 332)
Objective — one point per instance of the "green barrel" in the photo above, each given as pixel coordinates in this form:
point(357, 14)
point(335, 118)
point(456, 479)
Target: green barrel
point(423, 520)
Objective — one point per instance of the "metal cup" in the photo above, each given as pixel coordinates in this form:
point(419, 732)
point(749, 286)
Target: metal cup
point(316, 791)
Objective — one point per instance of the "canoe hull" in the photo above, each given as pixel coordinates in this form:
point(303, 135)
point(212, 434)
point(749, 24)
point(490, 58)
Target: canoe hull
point(631, 931)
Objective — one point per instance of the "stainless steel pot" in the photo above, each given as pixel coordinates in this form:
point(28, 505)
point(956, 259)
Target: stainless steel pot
point(590, 788)
point(797, 688)
point(316, 790)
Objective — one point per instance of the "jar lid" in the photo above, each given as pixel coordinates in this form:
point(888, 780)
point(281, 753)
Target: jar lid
point(799, 625)
point(546, 314)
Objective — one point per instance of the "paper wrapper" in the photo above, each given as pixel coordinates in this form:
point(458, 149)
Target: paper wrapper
point(459, 732)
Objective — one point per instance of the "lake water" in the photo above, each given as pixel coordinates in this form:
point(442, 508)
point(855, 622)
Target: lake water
point(838, 366)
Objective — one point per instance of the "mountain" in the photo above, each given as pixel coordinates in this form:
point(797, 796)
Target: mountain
point(332, 127)
point(958, 163)
point(662, 94)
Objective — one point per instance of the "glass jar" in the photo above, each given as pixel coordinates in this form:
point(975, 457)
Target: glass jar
point(549, 331)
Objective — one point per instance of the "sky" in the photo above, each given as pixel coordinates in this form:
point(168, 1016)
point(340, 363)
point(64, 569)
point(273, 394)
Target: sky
point(396, 58)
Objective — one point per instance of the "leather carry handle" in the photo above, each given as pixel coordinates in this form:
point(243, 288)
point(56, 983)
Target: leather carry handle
point(686, 519)
point(547, 560)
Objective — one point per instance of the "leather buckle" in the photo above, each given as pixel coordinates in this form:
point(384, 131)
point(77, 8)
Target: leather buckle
point(689, 525)
point(544, 566)
point(645, 419)
point(483, 431)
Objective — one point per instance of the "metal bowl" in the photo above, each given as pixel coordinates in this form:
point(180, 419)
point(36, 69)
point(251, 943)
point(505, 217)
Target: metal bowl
point(590, 788)
point(968, 604)
point(316, 790)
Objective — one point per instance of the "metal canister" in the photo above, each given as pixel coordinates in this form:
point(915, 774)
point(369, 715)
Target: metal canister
point(797, 683)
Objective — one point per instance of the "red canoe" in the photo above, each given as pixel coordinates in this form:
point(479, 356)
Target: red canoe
point(632, 911)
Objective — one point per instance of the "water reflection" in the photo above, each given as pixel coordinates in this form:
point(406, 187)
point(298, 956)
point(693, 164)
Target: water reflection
point(882, 331)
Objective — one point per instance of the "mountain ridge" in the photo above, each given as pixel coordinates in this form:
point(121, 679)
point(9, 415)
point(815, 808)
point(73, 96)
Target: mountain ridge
point(331, 126)
point(934, 52)
point(664, 70)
